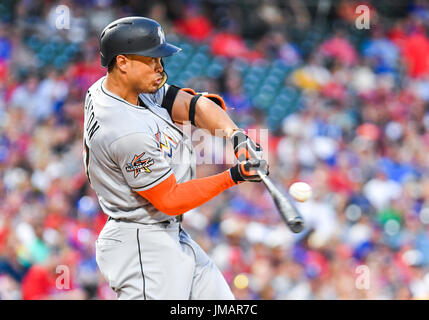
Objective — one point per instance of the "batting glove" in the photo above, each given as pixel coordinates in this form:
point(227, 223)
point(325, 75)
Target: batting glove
point(244, 147)
point(247, 170)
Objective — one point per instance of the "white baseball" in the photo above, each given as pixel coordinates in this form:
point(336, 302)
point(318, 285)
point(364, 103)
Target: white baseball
point(300, 191)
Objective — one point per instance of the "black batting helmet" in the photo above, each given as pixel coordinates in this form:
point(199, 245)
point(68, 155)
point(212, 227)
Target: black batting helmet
point(134, 35)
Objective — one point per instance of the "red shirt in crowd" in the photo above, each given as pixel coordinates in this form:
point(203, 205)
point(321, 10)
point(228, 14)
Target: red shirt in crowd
point(197, 28)
point(38, 283)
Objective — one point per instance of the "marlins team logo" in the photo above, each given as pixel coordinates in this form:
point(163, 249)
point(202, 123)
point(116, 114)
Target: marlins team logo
point(161, 35)
point(167, 142)
point(139, 165)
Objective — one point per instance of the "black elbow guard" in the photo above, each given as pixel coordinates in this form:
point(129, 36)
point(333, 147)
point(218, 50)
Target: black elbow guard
point(212, 96)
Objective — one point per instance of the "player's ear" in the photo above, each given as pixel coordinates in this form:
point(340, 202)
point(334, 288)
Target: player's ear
point(122, 62)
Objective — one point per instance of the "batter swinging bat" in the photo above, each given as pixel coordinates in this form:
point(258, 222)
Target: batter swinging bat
point(284, 203)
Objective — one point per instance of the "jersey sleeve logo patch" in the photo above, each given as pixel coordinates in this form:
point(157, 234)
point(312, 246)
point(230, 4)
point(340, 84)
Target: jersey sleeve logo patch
point(139, 165)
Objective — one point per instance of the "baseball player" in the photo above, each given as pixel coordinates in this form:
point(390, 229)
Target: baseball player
point(142, 167)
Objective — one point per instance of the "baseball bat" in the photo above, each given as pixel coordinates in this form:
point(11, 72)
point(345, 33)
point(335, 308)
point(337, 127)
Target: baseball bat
point(285, 206)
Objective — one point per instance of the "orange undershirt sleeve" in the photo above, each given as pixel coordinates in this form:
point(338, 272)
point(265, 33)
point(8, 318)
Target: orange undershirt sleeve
point(175, 199)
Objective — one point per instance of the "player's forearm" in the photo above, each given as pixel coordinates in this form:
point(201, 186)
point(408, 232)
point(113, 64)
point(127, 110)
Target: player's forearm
point(175, 199)
point(209, 116)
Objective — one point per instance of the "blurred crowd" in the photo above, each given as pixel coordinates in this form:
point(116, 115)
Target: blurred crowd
point(360, 138)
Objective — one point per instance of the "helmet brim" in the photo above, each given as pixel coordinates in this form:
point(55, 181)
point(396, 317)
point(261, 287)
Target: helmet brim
point(163, 50)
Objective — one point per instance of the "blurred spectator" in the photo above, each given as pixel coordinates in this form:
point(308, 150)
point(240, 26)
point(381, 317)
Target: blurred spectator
point(383, 53)
point(234, 95)
point(279, 47)
point(338, 47)
point(414, 46)
point(380, 191)
point(5, 44)
point(42, 282)
point(232, 46)
point(312, 76)
point(194, 25)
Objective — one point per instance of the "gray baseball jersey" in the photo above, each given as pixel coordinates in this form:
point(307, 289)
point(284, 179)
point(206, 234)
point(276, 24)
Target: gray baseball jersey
point(130, 148)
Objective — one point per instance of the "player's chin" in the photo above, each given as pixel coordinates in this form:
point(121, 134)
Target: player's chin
point(155, 89)
point(150, 89)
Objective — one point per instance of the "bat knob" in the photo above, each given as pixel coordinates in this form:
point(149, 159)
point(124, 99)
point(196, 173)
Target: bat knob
point(296, 225)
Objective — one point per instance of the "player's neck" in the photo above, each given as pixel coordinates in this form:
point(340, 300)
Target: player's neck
point(121, 89)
